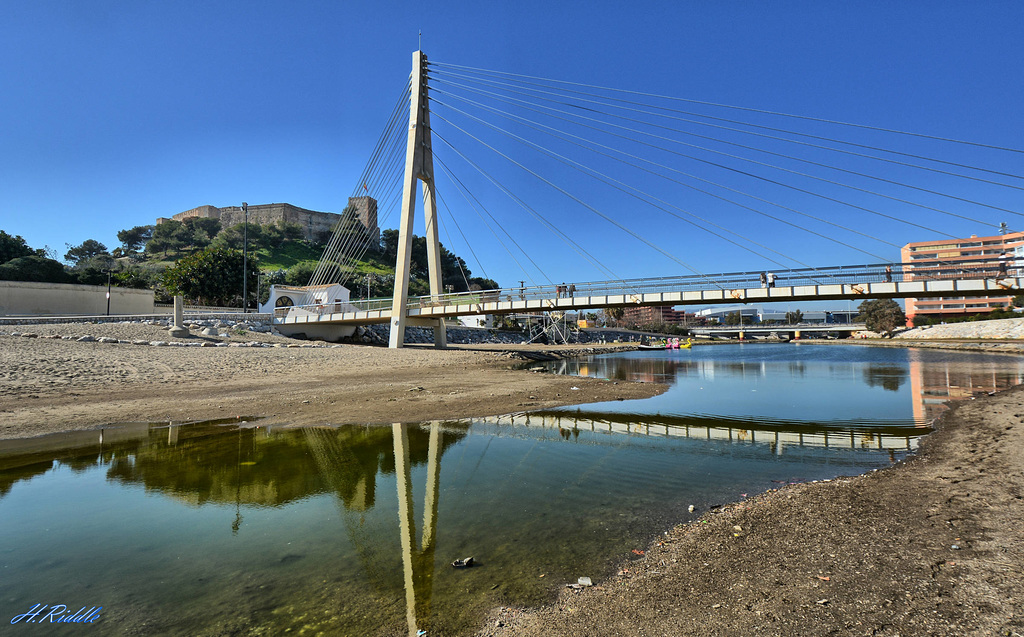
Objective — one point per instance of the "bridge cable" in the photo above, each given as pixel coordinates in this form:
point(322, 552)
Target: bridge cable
point(463, 190)
point(584, 204)
point(444, 92)
point(375, 168)
point(337, 245)
point(390, 179)
point(458, 260)
point(625, 188)
point(540, 218)
point(377, 181)
point(799, 159)
point(551, 227)
point(770, 128)
point(566, 137)
point(742, 172)
point(743, 108)
point(691, 176)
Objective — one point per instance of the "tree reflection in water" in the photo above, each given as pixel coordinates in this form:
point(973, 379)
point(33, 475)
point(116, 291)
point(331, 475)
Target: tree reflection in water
point(888, 377)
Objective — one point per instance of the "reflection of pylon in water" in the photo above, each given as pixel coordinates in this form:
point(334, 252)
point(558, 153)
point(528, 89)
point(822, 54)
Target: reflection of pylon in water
point(418, 565)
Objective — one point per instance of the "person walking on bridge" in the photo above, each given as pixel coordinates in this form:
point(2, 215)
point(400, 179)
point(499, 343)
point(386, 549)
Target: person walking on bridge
point(771, 279)
point(1004, 263)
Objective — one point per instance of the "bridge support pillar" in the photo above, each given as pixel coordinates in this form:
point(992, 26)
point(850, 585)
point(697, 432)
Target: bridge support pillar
point(741, 335)
point(419, 166)
point(796, 335)
point(441, 334)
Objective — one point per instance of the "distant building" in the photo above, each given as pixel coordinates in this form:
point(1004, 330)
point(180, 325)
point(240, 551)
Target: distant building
point(981, 254)
point(316, 226)
point(655, 315)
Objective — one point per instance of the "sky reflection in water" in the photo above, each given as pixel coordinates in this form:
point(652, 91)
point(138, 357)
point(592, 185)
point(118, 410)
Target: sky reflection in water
point(207, 529)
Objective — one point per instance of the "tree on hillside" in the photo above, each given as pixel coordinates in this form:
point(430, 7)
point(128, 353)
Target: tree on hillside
point(232, 236)
point(34, 268)
point(82, 254)
point(454, 270)
point(167, 236)
point(203, 229)
point(134, 239)
point(275, 235)
point(482, 284)
point(12, 247)
point(881, 315)
point(212, 276)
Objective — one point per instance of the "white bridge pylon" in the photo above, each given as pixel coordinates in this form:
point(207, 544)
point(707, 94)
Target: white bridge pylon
point(419, 166)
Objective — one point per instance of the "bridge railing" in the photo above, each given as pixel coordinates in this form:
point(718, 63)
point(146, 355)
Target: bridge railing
point(729, 281)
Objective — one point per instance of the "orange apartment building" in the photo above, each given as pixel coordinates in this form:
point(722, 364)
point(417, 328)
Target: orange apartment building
point(949, 254)
point(656, 315)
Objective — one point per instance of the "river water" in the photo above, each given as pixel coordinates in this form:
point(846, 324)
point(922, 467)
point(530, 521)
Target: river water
point(227, 527)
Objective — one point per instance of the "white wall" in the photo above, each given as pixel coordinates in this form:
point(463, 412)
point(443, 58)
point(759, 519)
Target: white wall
point(20, 298)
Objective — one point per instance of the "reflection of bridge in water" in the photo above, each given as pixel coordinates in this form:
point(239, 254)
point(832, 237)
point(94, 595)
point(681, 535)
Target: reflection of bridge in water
point(777, 434)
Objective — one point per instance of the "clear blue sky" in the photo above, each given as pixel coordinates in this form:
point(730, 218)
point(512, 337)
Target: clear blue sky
point(118, 112)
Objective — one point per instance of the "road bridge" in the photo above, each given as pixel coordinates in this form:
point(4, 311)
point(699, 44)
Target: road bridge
point(802, 330)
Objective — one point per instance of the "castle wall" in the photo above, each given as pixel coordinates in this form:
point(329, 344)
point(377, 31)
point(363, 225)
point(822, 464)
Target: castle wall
point(313, 223)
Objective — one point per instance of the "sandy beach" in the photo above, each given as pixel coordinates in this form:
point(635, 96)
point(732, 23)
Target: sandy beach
point(932, 546)
point(49, 385)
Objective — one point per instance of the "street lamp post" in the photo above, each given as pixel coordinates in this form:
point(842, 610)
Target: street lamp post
point(245, 258)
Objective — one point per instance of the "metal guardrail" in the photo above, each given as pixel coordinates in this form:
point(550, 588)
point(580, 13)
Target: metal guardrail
point(930, 270)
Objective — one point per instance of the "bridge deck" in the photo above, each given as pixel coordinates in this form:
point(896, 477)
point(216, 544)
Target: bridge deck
point(557, 298)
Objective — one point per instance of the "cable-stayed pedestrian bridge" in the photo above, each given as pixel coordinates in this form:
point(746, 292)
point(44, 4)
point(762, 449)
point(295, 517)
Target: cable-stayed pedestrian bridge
point(624, 181)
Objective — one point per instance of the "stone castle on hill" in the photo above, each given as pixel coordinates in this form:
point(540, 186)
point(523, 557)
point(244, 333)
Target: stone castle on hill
point(315, 225)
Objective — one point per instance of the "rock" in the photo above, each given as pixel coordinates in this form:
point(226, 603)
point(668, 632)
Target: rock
point(86, 339)
point(106, 339)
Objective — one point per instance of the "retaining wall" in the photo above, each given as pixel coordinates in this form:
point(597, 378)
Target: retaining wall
point(29, 298)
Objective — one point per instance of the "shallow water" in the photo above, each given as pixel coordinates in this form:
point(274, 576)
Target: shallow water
point(215, 528)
